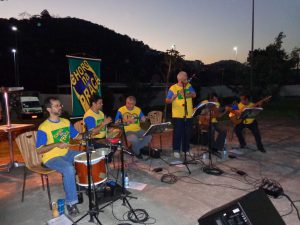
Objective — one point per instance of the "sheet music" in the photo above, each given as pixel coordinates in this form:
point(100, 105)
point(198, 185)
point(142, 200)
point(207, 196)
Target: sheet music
point(250, 112)
point(157, 128)
point(203, 104)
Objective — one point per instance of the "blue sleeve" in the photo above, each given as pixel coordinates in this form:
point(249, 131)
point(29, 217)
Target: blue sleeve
point(73, 131)
point(235, 107)
point(41, 139)
point(118, 116)
point(170, 94)
point(191, 89)
point(90, 122)
point(141, 114)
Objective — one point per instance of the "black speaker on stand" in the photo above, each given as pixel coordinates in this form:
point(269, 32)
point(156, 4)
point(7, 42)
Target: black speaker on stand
point(254, 208)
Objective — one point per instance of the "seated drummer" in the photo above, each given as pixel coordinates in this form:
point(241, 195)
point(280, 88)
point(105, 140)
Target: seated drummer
point(95, 121)
point(53, 137)
point(131, 115)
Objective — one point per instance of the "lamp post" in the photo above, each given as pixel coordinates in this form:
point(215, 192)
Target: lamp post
point(235, 48)
point(170, 52)
point(14, 51)
point(252, 46)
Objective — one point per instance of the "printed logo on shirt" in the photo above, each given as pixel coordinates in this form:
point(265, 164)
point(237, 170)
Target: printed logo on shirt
point(99, 122)
point(129, 116)
point(187, 91)
point(61, 135)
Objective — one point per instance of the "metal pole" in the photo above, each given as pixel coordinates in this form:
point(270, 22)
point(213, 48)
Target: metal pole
point(252, 47)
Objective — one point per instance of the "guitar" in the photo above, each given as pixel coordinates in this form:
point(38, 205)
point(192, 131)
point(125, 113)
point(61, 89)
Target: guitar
point(236, 118)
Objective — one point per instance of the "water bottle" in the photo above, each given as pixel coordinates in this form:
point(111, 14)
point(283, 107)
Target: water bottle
point(224, 152)
point(126, 181)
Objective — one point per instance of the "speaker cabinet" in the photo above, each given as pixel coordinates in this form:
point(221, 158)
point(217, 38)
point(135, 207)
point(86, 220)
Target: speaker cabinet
point(254, 208)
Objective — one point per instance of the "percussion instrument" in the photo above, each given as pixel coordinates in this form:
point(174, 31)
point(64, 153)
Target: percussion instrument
point(98, 168)
point(103, 151)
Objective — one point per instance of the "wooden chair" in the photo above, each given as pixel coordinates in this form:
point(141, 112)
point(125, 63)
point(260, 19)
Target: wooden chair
point(26, 143)
point(155, 117)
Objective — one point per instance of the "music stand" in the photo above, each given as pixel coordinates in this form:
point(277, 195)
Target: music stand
point(210, 169)
point(157, 129)
point(250, 113)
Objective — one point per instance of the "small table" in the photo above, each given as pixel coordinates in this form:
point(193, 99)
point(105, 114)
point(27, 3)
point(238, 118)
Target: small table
point(9, 130)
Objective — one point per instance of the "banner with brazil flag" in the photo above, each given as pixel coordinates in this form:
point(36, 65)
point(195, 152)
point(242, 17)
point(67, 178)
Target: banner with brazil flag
point(85, 81)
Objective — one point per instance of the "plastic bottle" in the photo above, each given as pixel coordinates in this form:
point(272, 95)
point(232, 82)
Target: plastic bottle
point(126, 181)
point(225, 152)
point(55, 212)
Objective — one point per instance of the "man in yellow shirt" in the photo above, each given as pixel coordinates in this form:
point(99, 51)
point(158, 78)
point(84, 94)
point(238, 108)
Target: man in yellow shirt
point(250, 123)
point(131, 116)
point(181, 113)
point(53, 137)
point(217, 143)
point(95, 120)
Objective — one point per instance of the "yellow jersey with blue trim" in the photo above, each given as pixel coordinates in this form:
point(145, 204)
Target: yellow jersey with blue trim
point(126, 115)
point(92, 119)
point(50, 132)
point(241, 106)
point(178, 110)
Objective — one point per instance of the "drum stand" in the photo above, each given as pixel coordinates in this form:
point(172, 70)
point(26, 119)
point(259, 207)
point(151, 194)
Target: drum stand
point(93, 210)
point(124, 195)
point(210, 169)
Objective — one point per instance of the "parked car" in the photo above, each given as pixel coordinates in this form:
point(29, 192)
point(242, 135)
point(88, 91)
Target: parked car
point(29, 107)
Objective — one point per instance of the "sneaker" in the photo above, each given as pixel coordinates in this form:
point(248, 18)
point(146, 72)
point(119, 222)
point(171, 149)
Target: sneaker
point(72, 210)
point(176, 155)
point(262, 150)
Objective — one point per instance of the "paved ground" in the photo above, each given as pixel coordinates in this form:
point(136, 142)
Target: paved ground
point(185, 201)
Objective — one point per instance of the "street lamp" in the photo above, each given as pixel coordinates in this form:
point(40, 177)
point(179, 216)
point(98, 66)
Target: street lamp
point(14, 51)
point(14, 28)
point(235, 48)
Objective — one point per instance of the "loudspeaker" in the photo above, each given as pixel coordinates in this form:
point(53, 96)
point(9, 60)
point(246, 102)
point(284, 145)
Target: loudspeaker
point(254, 208)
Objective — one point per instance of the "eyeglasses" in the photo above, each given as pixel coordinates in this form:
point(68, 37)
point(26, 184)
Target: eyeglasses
point(58, 106)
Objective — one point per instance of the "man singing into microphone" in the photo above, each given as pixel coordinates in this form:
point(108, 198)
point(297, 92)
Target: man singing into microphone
point(182, 110)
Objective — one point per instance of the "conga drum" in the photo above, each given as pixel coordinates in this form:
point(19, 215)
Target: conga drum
point(98, 169)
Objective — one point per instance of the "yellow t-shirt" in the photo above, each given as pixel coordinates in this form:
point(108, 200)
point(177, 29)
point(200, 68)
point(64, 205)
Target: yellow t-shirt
point(214, 119)
point(92, 119)
point(178, 103)
point(130, 114)
point(241, 106)
point(55, 132)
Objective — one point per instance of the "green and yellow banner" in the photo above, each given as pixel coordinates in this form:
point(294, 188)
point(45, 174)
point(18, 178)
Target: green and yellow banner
point(85, 81)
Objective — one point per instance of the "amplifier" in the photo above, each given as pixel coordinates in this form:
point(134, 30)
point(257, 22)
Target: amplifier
point(254, 208)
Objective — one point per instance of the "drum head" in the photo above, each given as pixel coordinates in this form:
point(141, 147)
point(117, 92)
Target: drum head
point(103, 151)
point(95, 157)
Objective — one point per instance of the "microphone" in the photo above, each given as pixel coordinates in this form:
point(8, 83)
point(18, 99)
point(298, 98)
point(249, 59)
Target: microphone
point(190, 79)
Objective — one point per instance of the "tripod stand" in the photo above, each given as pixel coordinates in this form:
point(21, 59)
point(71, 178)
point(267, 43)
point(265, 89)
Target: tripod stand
point(93, 211)
point(124, 195)
point(210, 169)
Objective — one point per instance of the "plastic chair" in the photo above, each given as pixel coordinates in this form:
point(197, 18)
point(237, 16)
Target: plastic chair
point(155, 117)
point(26, 143)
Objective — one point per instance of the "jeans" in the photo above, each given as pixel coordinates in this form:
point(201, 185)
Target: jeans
point(137, 140)
point(64, 165)
point(255, 131)
point(182, 134)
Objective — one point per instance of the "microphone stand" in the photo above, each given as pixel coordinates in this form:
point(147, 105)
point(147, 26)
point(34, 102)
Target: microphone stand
point(184, 138)
point(93, 211)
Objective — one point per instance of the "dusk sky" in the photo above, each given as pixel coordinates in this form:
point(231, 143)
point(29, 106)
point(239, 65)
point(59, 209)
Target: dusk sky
point(200, 29)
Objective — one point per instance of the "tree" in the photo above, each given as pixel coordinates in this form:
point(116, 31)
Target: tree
point(272, 65)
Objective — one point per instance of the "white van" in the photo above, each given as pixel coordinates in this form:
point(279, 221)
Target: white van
point(30, 107)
